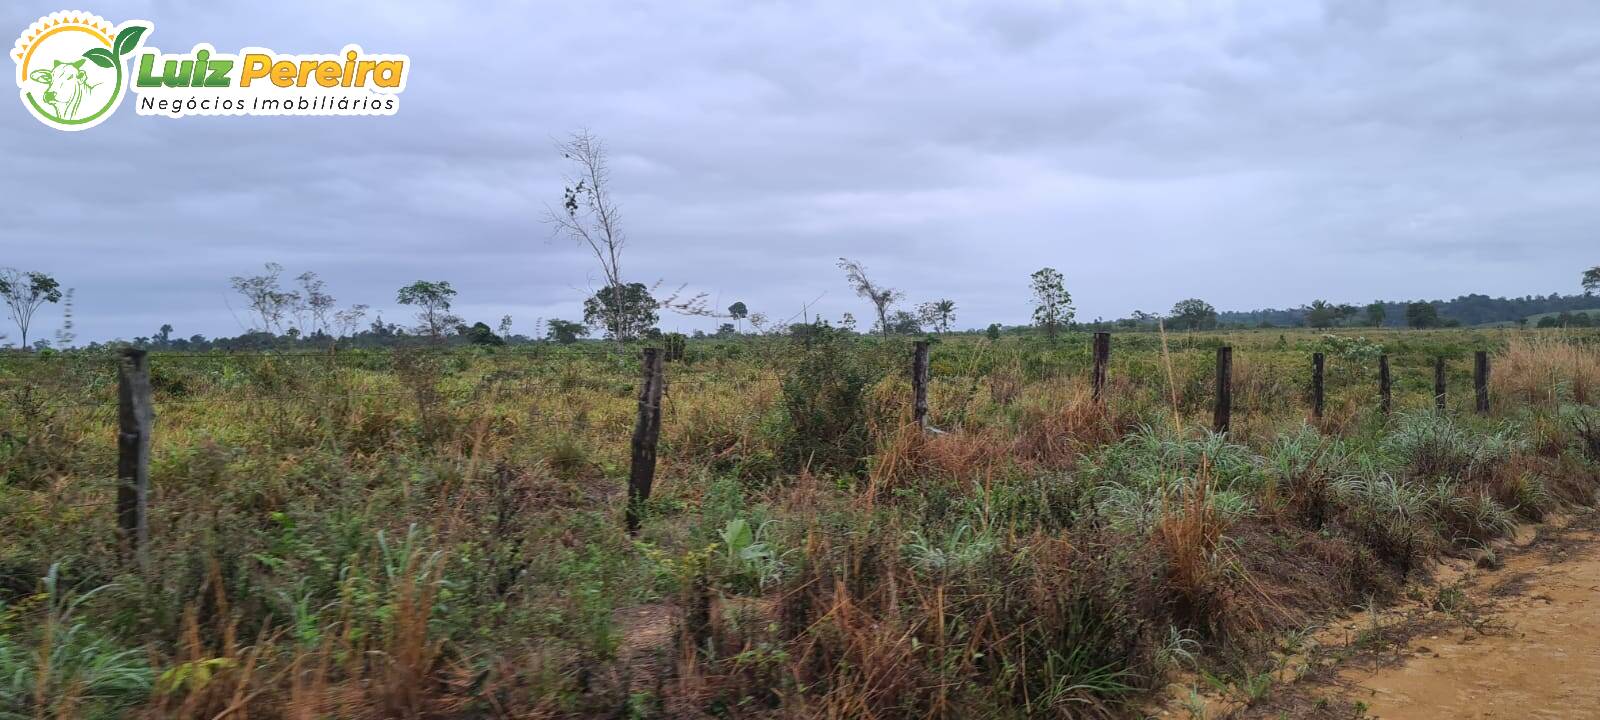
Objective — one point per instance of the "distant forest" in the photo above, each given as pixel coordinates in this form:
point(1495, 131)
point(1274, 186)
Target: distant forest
point(1466, 310)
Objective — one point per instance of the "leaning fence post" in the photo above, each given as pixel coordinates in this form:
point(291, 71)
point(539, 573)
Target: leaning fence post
point(1480, 380)
point(135, 413)
point(1223, 415)
point(642, 471)
point(1102, 355)
point(919, 383)
point(1385, 394)
point(1438, 383)
point(1317, 363)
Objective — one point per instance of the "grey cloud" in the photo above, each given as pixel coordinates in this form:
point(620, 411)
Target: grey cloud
point(1255, 154)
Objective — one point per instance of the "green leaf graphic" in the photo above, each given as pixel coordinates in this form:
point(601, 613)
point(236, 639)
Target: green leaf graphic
point(101, 57)
point(128, 39)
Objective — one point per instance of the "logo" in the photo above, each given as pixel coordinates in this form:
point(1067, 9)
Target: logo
point(73, 67)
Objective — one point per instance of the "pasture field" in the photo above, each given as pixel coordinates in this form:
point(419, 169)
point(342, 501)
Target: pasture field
point(438, 533)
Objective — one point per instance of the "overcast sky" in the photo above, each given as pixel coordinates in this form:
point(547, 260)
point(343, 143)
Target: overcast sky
point(1249, 153)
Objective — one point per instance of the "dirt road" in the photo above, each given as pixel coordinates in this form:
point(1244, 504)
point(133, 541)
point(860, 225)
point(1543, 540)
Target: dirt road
point(1537, 655)
point(1515, 637)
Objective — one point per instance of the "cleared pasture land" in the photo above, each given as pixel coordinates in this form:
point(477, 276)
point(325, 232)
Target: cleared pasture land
point(439, 533)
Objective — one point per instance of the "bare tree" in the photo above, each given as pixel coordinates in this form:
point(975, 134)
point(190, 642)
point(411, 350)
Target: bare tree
point(315, 304)
point(345, 321)
point(267, 301)
point(589, 216)
point(882, 297)
point(67, 333)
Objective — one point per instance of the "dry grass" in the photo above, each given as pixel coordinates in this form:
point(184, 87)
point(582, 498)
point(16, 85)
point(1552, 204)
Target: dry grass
point(1189, 532)
point(1545, 370)
point(1060, 422)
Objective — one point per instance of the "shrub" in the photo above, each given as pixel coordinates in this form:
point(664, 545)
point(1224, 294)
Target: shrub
point(823, 404)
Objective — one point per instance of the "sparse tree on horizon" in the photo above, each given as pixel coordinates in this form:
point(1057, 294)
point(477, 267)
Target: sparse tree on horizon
point(1375, 313)
point(633, 318)
point(1591, 280)
point(315, 304)
point(590, 217)
point(1052, 309)
point(268, 302)
point(882, 298)
point(1193, 314)
point(67, 333)
point(345, 321)
point(565, 332)
point(939, 314)
point(24, 293)
point(433, 299)
point(1422, 315)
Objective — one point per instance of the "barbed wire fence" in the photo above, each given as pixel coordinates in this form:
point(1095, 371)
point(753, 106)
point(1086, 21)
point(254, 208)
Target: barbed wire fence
point(129, 395)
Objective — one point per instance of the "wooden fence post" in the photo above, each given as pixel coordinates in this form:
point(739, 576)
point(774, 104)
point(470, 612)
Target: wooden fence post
point(1438, 383)
point(135, 413)
point(1102, 356)
point(1317, 363)
point(919, 383)
point(1385, 394)
point(642, 471)
point(1223, 416)
point(1480, 380)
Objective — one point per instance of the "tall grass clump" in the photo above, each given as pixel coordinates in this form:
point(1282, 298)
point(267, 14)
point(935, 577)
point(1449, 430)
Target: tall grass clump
point(1546, 371)
point(1433, 445)
point(55, 663)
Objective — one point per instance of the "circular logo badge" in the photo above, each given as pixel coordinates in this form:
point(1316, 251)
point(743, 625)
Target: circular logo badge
point(72, 69)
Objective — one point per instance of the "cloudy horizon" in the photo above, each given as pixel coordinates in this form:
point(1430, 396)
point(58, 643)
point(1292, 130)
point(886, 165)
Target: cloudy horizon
point(1251, 154)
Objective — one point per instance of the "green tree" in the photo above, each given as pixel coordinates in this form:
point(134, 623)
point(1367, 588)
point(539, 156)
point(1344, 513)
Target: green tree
point(993, 333)
point(565, 332)
point(635, 315)
point(1052, 308)
point(903, 323)
point(433, 299)
point(24, 293)
point(1591, 280)
point(1422, 315)
point(738, 312)
point(1375, 313)
point(1193, 314)
point(479, 334)
point(1320, 314)
point(938, 314)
